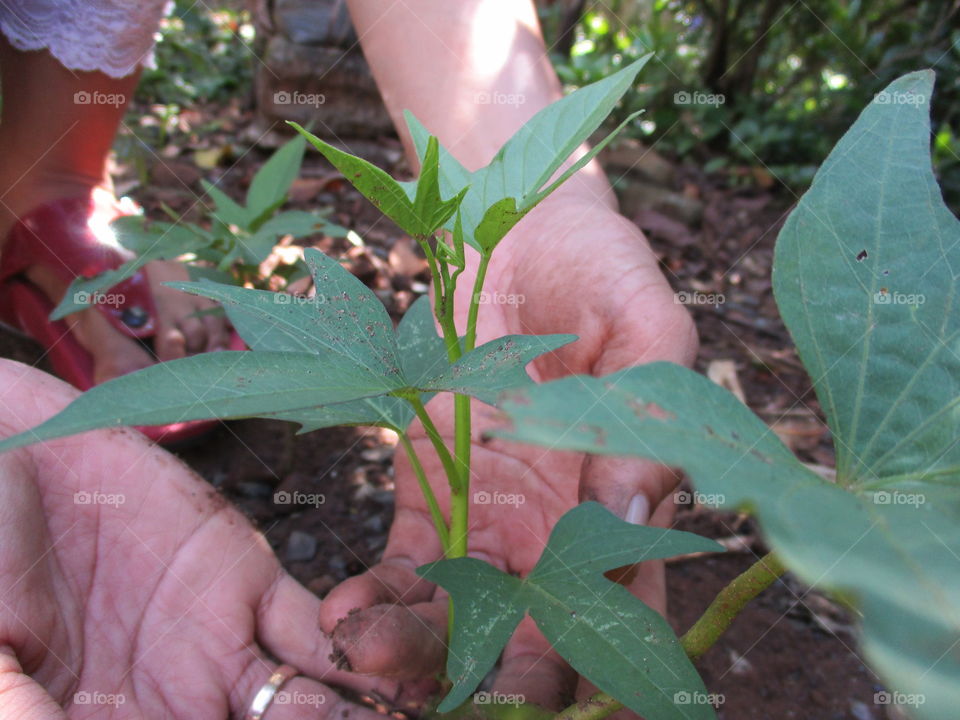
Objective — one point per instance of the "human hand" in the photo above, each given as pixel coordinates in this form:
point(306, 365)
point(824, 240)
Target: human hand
point(572, 266)
point(132, 589)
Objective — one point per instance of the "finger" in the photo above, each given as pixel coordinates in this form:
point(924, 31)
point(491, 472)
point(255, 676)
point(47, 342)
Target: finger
point(288, 627)
point(412, 542)
point(169, 344)
point(195, 334)
point(299, 698)
point(630, 488)
point(23, 697)
point(218, 337)
point(394, 641)
point(531, 671)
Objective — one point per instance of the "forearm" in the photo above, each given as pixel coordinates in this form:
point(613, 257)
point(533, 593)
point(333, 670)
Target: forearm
point(472, 71)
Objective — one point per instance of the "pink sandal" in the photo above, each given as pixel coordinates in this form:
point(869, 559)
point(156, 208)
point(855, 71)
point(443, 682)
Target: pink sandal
point(72, 238)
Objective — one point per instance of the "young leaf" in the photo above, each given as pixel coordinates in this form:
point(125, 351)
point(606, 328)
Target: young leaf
point(528, 161)
point(604, 632)
point(865, 276)
point(225, 209)
point(270, 184)
point(420, 216)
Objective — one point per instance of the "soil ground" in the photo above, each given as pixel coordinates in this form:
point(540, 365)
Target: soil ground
point(792, 654)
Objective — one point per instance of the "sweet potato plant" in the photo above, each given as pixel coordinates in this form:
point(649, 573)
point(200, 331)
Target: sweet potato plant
point(865, 277)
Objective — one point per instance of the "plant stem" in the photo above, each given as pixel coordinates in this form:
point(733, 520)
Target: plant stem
point(460, 498)
point(705, 632)
point(471, 337)
point(449, 467)
point(438, 521)
point(728, 603)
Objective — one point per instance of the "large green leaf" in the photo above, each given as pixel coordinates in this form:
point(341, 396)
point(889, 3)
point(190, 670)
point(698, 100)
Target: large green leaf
point(527, 162)
point(356, 368)
point(422, 354)
point(214, 385)
point(608, 635)
point(865, 277)
point(886, 538)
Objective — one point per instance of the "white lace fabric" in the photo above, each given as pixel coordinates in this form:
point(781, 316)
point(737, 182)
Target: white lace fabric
point(112, 36)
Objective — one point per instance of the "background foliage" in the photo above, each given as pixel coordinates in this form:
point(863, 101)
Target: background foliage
point(794, 76)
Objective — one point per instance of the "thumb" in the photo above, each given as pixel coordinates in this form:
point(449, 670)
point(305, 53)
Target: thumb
point(23, 697)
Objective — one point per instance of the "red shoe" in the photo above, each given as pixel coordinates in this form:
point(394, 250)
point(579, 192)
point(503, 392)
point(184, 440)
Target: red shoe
point(72, 238)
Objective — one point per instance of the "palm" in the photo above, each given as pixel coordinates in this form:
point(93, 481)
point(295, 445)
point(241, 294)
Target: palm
point(569, 271)
point(146, 594)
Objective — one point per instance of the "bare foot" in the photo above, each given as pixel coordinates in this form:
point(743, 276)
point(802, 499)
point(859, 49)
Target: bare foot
point(178, 334)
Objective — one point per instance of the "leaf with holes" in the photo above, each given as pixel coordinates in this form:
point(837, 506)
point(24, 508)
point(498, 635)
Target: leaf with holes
point(347, 351)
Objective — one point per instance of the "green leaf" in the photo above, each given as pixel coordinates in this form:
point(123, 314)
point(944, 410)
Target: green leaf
point(226, 210)
point(258, 246)
point(420, 216)
point(422, 353)
point(498, 365)
point(886, 537)
point(270, 184)
point(528, 161)
point(347, 332)
point(225, 385)
point(159, 241)
point(608, 635)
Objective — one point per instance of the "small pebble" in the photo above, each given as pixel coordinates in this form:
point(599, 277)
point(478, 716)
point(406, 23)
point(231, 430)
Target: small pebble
point(300, 547)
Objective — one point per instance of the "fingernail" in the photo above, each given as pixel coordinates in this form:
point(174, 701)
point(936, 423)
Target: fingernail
point(638, 511)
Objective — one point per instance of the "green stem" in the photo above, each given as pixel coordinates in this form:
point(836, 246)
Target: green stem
point(460, 500)
point(471, 338)
point(449, 467)
point(438, 521)
point(729, 603)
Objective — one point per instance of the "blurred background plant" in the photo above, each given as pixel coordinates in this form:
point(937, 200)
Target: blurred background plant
point(752, 91)
point(769, 84)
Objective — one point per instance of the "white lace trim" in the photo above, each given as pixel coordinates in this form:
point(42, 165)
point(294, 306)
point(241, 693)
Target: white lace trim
point(112, 36)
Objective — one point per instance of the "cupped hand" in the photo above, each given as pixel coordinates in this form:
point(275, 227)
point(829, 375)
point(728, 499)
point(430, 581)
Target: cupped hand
point(130, 588)
point(572, 266)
